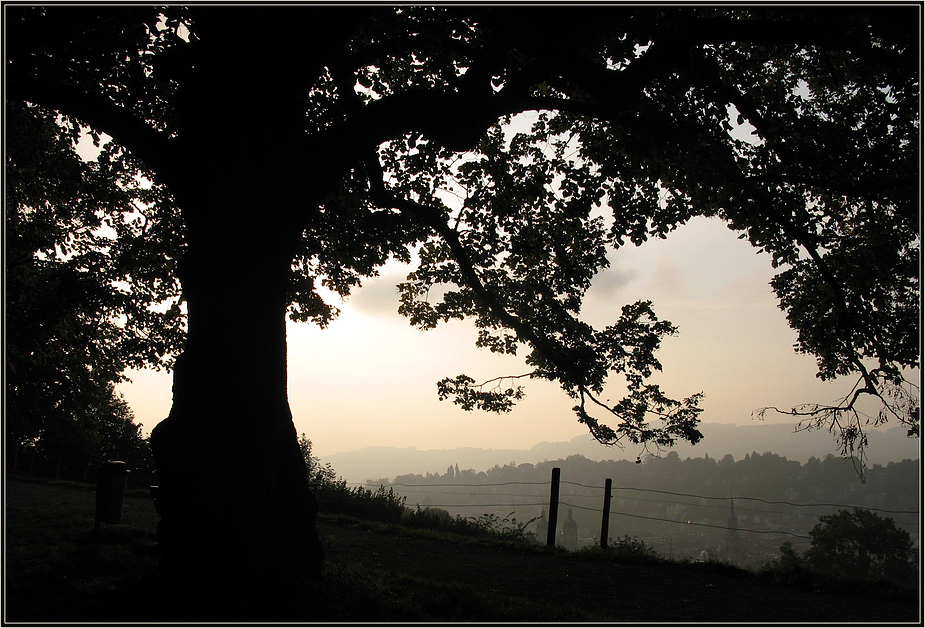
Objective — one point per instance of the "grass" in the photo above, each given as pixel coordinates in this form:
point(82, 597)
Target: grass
point(59, 569)
point(455, 534)
point(365, 594)
point(379, 595)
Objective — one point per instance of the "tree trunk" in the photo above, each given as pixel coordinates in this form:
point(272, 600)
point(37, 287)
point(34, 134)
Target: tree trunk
point(237, 525)
point(237, 529)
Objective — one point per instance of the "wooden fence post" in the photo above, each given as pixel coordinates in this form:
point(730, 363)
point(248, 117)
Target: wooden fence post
point(605, 517)
point(553, 507)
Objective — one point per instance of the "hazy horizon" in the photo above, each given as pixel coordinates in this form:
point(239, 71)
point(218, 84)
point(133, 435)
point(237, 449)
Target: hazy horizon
point(377, 462)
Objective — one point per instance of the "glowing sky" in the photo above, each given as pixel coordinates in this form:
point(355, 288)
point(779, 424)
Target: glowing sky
point(369, 379)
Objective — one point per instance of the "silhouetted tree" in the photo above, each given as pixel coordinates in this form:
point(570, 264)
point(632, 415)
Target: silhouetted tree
point(862, 545)
point(309, 144)
point(82, 295)
point(318, 474)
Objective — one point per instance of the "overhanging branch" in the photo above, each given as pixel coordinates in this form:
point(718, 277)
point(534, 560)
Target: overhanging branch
point(382, 197)
point(98, 112)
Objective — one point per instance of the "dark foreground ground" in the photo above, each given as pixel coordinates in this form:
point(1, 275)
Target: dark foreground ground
point(57, 570)
point(603, 591)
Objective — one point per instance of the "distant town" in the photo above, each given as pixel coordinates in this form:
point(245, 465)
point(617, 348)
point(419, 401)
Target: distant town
point(740, 511)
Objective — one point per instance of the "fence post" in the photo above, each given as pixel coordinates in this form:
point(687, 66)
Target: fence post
point(553, 507)
point(605, 517)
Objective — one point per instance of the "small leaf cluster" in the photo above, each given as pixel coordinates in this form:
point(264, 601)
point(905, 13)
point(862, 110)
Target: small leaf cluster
point(507, 527)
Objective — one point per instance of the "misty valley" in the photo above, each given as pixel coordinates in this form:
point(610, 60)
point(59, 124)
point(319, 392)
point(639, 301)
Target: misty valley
point(737, 511)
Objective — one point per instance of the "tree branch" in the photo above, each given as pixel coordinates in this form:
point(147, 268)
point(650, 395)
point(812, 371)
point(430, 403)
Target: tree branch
point(381, 196)
point(866, 190)
point(144, 142)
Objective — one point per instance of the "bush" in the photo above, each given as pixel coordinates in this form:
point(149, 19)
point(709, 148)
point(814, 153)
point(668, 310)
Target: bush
point(624, 548)
point(857, 546)
point(334, 496)
point(433, 518)
point(382, 504)
point(861, 545)
point(788, 568)
point(506, 527)
point(631, 547)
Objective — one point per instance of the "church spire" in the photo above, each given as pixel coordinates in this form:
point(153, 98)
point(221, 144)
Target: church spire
point(733, 549)
point(733, 521)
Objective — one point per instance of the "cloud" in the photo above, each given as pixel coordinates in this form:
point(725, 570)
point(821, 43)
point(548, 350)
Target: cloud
point(609, 282)
point(669, 278)
point(379, 296)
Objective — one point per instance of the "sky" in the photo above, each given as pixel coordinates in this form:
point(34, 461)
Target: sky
point(369, 379)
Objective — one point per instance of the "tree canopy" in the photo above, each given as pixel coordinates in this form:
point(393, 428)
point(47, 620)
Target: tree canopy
point(87, 294)
point(860, 544)
point(407, 105)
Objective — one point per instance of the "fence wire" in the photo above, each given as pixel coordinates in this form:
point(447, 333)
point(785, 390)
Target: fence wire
point(599, 494)
point(646, 490)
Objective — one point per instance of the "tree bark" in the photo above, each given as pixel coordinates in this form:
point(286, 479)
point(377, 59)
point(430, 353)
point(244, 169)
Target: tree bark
point(237, 527)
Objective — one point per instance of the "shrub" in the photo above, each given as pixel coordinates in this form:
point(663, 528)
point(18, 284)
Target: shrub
point(382, 504)
point(433, 518)
point(631, 547)
point(861, 545)
point(858, 546)
point(506, 527)
point(624, 549)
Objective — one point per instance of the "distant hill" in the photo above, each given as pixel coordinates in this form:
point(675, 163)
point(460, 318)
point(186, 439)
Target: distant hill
point(374, 463)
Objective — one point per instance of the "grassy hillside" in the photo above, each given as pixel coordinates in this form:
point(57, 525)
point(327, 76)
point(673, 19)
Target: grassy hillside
point(59, 570)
